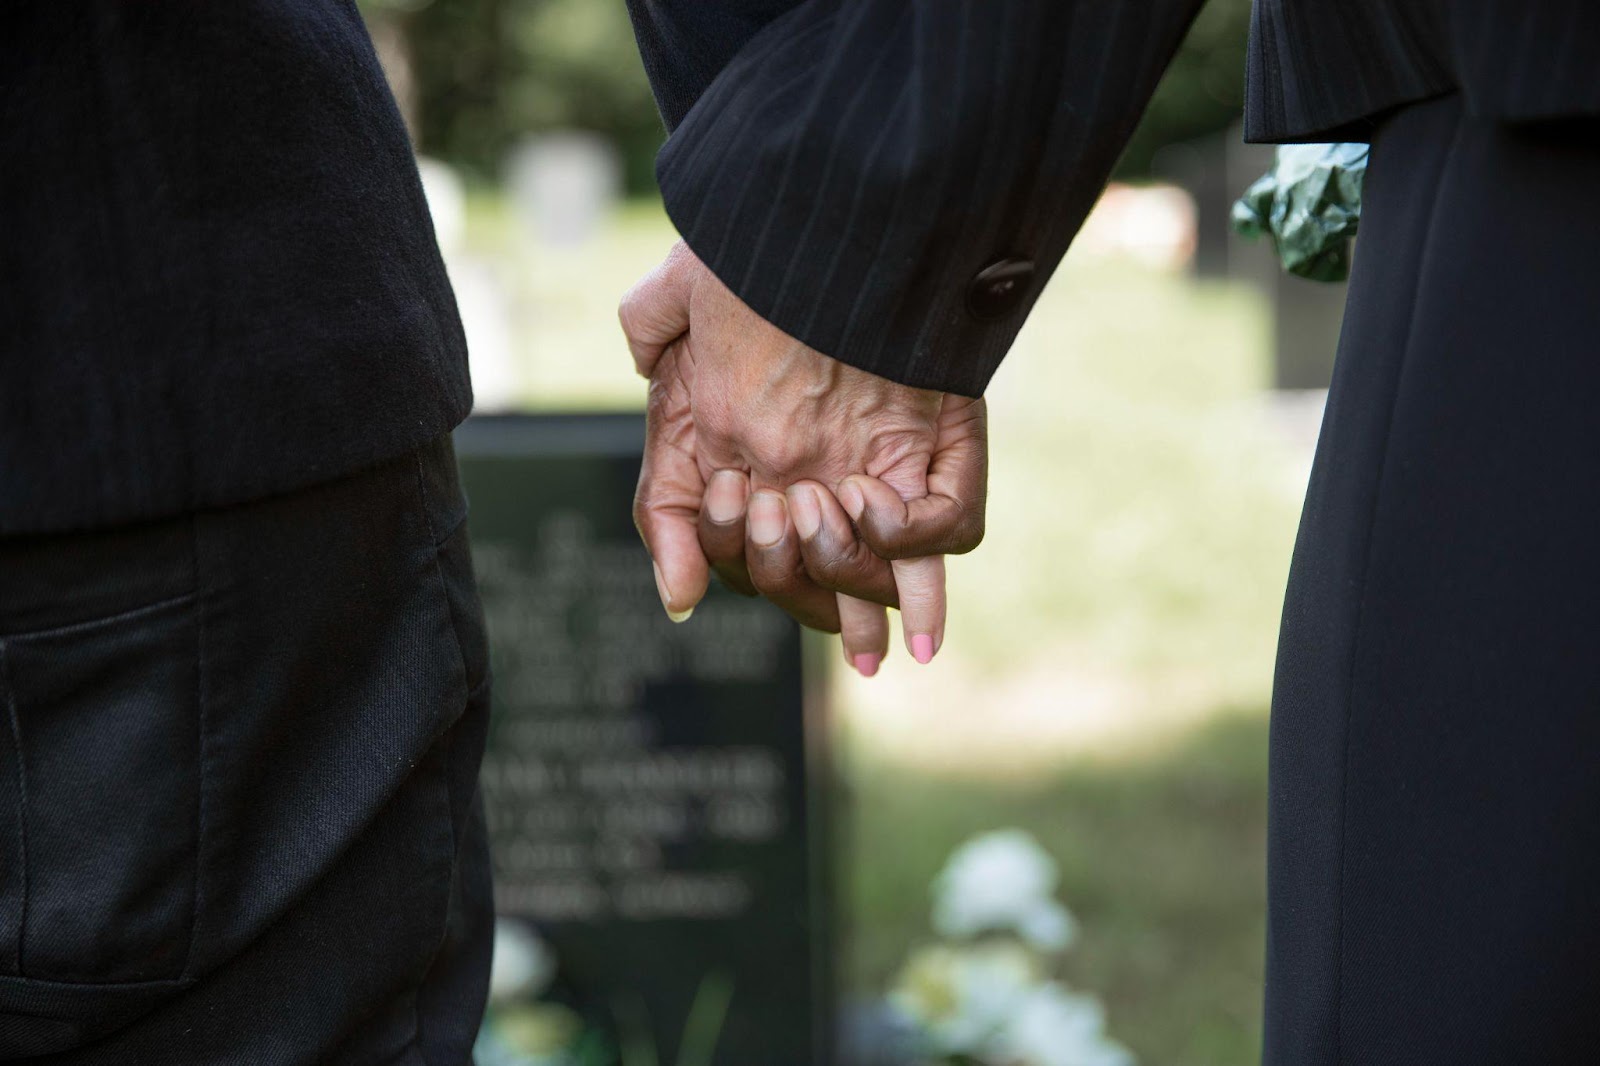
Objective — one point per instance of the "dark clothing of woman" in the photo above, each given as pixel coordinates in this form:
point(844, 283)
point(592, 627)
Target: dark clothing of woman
point(1434, 850)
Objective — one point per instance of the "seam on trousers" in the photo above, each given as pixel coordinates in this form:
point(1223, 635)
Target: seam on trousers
point(68, 628)
point(13, 722)
point(448, 739)
point(1366, 566)
point(438, 570)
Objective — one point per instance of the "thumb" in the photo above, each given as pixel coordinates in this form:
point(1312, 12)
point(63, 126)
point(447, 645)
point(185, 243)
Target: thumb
point(666, 507)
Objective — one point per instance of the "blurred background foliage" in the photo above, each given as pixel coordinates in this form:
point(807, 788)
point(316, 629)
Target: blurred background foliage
point(488, 72)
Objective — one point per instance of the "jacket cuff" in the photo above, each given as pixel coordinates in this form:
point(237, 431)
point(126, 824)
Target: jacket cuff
point(893, 183)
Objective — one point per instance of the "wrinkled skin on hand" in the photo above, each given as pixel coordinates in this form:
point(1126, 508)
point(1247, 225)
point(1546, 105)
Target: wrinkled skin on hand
point(755, 399)
point(730, 392)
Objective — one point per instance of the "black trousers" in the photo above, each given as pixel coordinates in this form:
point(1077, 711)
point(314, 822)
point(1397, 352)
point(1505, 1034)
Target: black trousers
point(1434, 853)
point(239, 818)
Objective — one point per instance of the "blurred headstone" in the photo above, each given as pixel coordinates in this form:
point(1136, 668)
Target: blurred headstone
point(656, 793)
point(1200, 167)
point(447, 203)
point(480, 297)
point(563, 185)
point(1306, 314)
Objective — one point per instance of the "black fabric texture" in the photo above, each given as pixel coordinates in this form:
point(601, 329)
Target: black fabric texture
point(847, 167)
point(1321, 72)
point(218, 275)
point(1434, 850)
point(239, 816)
point(856, 163)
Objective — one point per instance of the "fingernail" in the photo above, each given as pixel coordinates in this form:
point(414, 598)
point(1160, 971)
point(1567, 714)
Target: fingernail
point(725, 496)
point(766, 518)
point(922, 648)
point(666, 598)
point(805, 509)
point(867, 664)
point(851, 499)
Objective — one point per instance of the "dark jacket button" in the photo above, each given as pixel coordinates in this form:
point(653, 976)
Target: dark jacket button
point(999, 288)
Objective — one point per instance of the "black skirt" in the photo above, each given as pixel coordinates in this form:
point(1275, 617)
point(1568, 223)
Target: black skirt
point(1434, 858)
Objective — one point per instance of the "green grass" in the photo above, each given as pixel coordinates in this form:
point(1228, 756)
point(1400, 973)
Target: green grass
point(1108, 659)
point(1162, 863)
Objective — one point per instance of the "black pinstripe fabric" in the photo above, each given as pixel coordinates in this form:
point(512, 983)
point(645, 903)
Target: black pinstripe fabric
point(1319, 70)
point(856, 163)
point(848, 166)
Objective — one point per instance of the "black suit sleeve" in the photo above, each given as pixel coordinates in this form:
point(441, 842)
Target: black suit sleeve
point(856, 164)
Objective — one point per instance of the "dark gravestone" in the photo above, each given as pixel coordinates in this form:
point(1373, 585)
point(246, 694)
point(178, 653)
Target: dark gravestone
point(654, 790)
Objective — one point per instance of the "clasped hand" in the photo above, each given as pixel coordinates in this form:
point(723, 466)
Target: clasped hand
point(831, 491)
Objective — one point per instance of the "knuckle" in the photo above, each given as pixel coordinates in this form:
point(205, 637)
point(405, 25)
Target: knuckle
point(890, 541)
point(970, 536)
point(773, 581)
point(966, 531)
point(830, 573)
point(826, 566)
point(641, 507)
point(631, 311)
point(777, 451)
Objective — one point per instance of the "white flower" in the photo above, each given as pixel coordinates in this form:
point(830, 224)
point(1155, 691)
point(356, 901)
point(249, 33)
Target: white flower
point(1055, 1027)
point(1002, 881)
point(523, 965)
point(961, 997)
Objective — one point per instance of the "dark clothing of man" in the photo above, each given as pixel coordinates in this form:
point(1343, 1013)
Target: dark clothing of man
point(242, 669)
point(218, 278)
point(239, 816)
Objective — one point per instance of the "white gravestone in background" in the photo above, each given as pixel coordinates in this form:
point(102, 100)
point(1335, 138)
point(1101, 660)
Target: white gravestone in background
point(564, 184)
point(479, 294)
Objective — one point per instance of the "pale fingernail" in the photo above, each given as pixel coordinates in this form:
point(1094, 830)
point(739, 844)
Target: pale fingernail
point(806, 510)
point(766, 518)
point(666, 598)
point(867, 664)
point(725, 496)
point(922, 648)
point(851, 500)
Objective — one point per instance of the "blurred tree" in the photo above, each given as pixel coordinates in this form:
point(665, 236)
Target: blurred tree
point(486, 72)
point(1203, 90)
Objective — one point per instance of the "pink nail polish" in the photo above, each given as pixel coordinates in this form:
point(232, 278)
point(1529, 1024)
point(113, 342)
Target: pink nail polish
point(922, 648)
point(867, 664)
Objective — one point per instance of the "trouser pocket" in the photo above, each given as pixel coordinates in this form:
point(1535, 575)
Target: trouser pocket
point(101, 760)
point(99, 821)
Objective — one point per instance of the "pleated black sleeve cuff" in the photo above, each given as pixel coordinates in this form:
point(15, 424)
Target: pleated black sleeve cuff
point(893, 181)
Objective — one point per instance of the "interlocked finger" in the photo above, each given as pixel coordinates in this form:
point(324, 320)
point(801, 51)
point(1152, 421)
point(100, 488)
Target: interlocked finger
point(772, 555)
point(721, 528)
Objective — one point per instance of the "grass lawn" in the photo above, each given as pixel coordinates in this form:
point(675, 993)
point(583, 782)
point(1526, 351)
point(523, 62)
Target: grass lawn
point(1162, 864)
point(1107, 665)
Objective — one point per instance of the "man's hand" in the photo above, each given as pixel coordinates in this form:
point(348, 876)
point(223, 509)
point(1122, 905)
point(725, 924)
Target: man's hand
point(730, 392)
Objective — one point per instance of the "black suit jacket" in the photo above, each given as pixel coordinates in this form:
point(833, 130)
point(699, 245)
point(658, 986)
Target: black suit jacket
point(218, 278)
point(893, 181)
